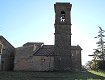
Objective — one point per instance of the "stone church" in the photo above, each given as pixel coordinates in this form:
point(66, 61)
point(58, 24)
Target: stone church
point(35, 56)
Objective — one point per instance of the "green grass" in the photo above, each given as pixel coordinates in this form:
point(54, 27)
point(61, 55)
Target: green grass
point(100, 73)
point(4, 75)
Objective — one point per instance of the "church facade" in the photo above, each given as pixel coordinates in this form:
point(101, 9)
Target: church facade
point(33, 56)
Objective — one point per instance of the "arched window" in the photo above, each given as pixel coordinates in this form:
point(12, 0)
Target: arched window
point(62, 18)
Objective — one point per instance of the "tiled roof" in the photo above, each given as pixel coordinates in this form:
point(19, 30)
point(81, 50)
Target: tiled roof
point(45, 50)
point(49, 50)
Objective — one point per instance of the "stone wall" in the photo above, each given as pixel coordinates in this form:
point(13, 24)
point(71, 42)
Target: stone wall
point(62, 63)
point(22, 57)
point(76, 60)
point(26, 61)
point(43, 63)
point(7, 56)
point(36, 63)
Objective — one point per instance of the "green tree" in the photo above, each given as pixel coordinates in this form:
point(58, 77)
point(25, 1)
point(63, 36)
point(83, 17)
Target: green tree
point(100, 51)
point(98, 61)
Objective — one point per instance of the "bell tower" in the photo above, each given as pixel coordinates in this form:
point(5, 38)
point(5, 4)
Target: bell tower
point(62, 48)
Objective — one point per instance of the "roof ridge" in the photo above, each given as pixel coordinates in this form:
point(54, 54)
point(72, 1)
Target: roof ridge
point(37, 49)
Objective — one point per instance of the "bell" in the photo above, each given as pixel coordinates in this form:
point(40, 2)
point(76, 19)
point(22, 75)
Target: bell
point(63, 17)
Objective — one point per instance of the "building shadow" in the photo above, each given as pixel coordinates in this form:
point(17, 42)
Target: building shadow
point(29, 75)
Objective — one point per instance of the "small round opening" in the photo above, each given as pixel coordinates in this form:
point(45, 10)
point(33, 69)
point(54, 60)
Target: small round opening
point(62, 12)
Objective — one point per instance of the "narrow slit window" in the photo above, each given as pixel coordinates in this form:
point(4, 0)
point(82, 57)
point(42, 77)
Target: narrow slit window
point(1, 47)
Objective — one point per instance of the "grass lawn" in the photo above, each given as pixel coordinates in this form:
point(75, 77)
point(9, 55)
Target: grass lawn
point(49, 76)
point(100, 73)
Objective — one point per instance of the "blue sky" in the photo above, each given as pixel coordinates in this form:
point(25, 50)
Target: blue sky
point(24, 21)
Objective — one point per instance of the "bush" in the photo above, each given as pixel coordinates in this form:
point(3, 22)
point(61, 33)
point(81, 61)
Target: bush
point(101, 65)
point(93, 66)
